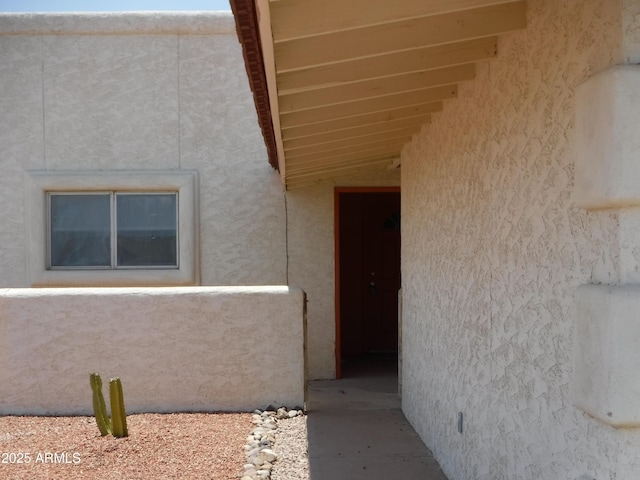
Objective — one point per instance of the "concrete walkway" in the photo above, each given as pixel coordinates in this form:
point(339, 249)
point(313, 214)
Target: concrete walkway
point(356, 430)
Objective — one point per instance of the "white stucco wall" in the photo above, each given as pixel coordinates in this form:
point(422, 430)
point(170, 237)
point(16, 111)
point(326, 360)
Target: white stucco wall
point(175, 349)
point(122, 92)
point(630, 31)
point(494, 250)
point(125, 91)
point(605, 381)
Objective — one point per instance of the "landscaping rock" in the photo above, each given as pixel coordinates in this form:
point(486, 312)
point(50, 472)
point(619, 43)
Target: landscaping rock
point(259, 443)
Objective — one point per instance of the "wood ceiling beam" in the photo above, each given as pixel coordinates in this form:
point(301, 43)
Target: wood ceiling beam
point(301, 18)
point(338, 170)
point(398, 136)
point(367, 119)
point(396, 63)
point(355, 156)
point(383, 146)
point(300, 184)
point(398, 36)
point(379, 104)
point(346, 136)
point(311, 180)
point(376, 88)
point(360, 162)
point(400, 124)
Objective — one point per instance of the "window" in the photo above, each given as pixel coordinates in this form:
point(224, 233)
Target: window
point(119, 228)
point(112, 230)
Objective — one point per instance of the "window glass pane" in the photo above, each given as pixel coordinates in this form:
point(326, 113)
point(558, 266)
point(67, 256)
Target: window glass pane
point(146, 228)
point(80, 230)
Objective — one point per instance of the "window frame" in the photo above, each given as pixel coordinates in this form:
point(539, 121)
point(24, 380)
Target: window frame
point(113, 230)
point(41, 183)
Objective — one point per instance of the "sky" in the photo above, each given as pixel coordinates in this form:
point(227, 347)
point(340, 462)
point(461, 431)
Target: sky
point(110, 5)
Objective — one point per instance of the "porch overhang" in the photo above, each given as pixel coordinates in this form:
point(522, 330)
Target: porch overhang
point(340, 86)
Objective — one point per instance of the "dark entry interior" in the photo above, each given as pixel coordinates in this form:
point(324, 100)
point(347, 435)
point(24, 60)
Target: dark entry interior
point(368, 278)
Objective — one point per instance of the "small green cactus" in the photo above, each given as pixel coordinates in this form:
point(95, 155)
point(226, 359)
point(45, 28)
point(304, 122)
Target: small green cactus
point(99, 407)
point(117, 425)
point(118, 414)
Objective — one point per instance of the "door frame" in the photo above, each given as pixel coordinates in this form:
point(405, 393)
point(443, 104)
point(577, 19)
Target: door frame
point(336, 230)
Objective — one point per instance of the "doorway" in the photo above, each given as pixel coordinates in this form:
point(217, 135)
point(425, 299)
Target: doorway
point(367, 277)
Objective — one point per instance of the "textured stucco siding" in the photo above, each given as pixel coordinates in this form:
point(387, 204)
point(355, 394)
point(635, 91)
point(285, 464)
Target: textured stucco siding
point(92, 92)
point(493, 251)
point(170, 101)
point(630, 31)
point(175, 349)
point(118, 92)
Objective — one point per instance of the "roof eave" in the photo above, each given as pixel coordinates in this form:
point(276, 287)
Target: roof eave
point(246, 18)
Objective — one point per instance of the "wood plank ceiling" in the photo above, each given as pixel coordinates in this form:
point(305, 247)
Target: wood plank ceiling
point(350, 81)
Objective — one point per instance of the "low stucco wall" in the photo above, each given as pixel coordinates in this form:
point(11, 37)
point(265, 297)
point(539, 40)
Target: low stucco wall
point(175, 349)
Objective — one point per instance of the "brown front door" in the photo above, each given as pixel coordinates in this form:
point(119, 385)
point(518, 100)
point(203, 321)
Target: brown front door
point(369, 272)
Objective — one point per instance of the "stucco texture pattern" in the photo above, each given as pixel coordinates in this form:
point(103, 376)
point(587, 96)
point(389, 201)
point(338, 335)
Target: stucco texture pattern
point(94, 93)
point(121, 92)
point(241, 201)
point(175, 349)
point(21, 144)
point(493, 251)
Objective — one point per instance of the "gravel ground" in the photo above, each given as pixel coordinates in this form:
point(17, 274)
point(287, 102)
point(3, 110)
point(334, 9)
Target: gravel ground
point(159, 446)
point(291, 448)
